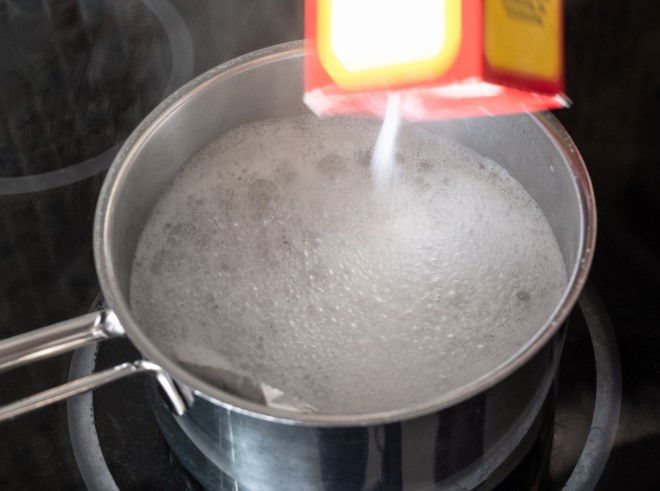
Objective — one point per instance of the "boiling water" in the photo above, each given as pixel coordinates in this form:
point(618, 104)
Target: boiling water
point(274, 255)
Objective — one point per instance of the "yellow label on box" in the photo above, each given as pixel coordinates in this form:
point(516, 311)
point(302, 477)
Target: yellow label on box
point(370, 43)
point(523, 37)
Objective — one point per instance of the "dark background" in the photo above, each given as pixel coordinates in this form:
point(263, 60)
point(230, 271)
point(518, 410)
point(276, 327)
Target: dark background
point(77, 76)
point(613, 77)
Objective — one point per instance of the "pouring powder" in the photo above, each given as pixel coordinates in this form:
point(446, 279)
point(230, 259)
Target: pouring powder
point(272, 252)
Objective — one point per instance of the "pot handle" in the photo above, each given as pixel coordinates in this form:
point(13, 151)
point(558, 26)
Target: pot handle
point(66, 336)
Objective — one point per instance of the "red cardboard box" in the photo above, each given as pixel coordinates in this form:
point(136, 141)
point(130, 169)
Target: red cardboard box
point(446, 58)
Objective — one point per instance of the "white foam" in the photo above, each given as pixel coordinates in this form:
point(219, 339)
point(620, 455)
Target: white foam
point(273, 251)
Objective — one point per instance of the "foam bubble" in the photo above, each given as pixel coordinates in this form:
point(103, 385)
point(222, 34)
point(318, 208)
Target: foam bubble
point(273, 250)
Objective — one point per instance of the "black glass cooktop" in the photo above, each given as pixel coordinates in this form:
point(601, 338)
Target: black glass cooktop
point(77, 75)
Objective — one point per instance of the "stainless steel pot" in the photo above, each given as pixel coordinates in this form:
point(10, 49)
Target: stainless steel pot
point(462, 438)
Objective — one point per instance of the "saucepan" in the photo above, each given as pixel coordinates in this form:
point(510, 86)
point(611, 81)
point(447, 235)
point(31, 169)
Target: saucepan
point(463, 438)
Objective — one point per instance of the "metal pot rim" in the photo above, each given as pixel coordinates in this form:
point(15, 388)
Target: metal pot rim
point(103, 253)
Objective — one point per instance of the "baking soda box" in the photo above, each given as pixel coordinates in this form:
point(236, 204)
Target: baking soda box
point(444, 58)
